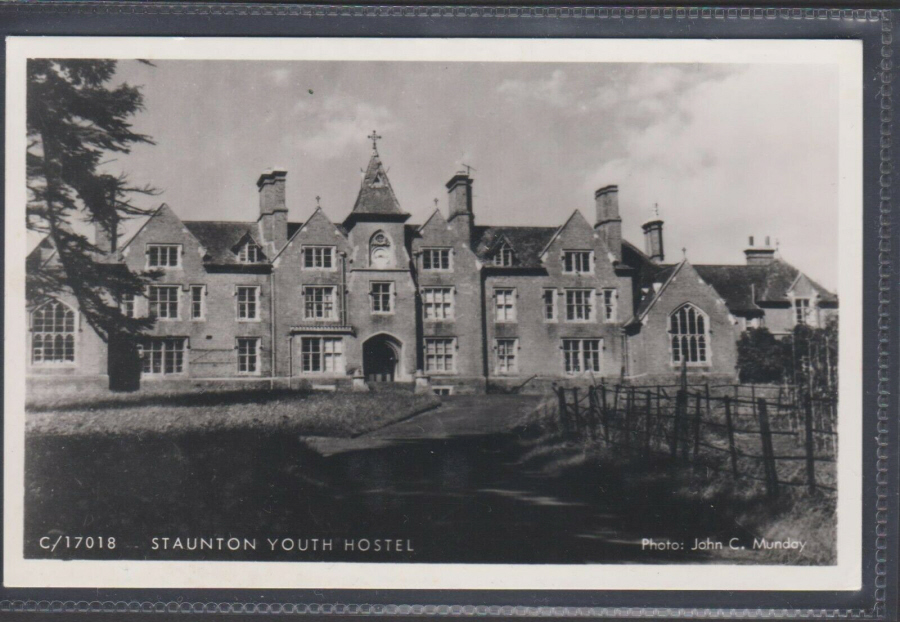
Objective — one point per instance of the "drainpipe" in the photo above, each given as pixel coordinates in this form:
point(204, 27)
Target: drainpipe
point(343, 289)
point(291, 362)
point(272, 324)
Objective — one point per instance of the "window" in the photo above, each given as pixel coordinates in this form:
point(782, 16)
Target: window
point(504, 256)
point(437, 303)
point(436, 259)
point(163, 302)
point(248, 355)
point(581, 355)
point(322, 354)
point(576, 261)
point(198, 306)
point(380, 255)
point(250, 253)
point(505, 305)
point(579, 305)
point(442, 390)
point(247, 303)
point(53, 334)
point(318, 303)
point(126, 304)
point(164, 356)
point(439, 355)
point(163, 255)
point(381, 297)
point(321, 257)
point(609, 305)
point(801, 311)
point(549, 299)
point(506, 356)
point(687, 330)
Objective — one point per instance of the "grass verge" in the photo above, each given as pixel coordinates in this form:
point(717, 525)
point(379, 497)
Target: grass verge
point(160, 411)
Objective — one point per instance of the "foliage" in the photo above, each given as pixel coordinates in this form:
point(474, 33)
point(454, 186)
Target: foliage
point(75, 120)
point(760, 357)
point(808, 357)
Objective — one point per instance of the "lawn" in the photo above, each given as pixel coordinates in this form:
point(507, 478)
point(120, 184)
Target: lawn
point(156, 410)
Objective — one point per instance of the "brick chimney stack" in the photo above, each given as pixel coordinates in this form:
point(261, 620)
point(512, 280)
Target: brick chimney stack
point(273, 209)
point(759, 255)
point(461, 213)
point(609, 223)
point(653, 240)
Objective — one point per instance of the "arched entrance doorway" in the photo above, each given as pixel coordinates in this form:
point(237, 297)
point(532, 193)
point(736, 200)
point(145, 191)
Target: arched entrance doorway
point(381, 358)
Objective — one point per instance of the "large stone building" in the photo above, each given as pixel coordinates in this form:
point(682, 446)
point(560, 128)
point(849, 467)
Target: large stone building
point(455, 304)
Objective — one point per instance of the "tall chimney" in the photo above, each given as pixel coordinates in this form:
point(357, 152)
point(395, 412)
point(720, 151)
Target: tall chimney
point(609, 223)
point(106, 234)
point(759, 256)
point(461, 214)
point(460, 189)
point(653, 240)
point(106, 238)
point(273, 209)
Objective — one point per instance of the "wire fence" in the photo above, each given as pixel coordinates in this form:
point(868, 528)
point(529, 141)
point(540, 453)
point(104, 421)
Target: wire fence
point(776, 435)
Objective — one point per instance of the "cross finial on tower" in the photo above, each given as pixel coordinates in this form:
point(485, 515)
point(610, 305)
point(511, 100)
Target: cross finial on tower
point(656, 209)
point(684, 251)
point(318, 198)
point(435, 203)
point(374, 137)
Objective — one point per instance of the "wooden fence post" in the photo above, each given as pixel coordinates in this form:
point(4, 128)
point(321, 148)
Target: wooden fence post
point(768, 451)
point(680, 401)
point(576, 412)
point(731, 448)
point(648, 423)
point(604, 414)
point(810, 449)
point(592, 411)
point(563, 415)
point(697, 427)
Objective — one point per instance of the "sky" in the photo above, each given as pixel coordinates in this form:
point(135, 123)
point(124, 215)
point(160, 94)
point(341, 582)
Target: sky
point(725, 151)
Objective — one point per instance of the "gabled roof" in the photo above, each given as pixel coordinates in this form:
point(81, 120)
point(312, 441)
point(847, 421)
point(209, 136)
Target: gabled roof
point(744, 287)
point(219, 238)
point(526, 243)
point(376, 196)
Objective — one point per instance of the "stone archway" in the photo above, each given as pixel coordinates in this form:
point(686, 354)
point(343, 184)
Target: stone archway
point(381, 358)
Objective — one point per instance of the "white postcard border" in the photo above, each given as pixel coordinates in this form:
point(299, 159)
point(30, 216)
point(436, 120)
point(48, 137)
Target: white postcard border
point(846, 575)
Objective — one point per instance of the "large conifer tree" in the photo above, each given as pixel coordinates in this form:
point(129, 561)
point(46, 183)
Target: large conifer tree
point(75, 121)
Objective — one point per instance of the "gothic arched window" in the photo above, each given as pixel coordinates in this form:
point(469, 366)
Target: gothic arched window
point(380, 255)
point(688, 335)
point(52, 334)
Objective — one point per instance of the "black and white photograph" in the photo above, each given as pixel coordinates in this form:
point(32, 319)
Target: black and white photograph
point(493, 311)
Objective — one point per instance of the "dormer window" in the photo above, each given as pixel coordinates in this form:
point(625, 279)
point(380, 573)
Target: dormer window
point(163, 255)
point(250, 253)
point(504, 256)
point(802, 311)
point(577, 262)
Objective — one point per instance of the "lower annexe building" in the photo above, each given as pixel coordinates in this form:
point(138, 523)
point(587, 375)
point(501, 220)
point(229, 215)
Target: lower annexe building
point(460, 304)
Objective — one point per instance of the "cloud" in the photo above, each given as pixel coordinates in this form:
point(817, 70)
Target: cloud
point(339, 123)
point(551, 90)
point(280, 76)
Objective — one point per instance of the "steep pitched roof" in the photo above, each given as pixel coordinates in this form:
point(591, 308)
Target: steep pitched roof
point(375, 193)
point(526, 243)
point(219, 238)
point(742, 287)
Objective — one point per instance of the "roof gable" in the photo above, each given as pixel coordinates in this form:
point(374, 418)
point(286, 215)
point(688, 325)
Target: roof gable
point(319, 223)
point(574, 222)
point(376, 196)
point(526, 243)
